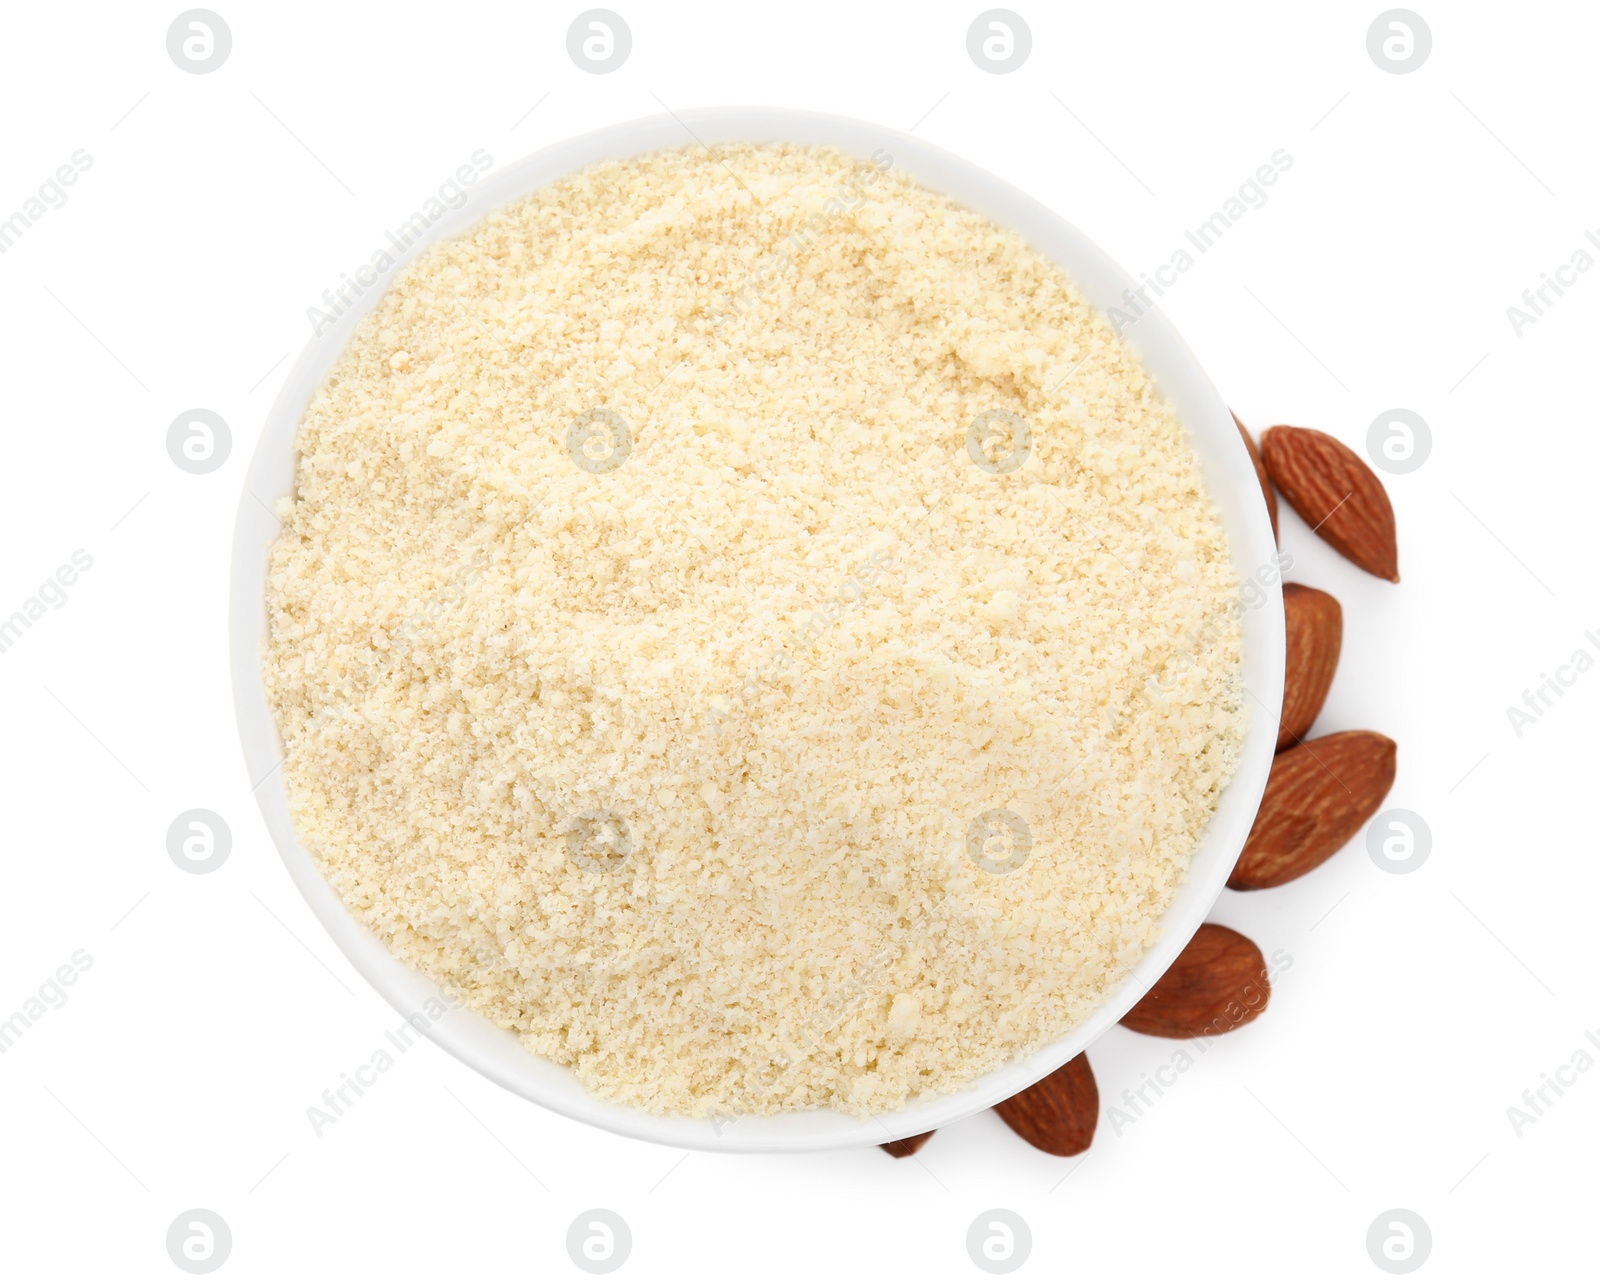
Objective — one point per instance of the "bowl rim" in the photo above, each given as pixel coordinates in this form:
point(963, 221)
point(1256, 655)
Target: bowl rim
point(1230, 478)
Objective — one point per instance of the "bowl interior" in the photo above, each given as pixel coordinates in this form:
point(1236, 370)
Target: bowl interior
point(1228, 474)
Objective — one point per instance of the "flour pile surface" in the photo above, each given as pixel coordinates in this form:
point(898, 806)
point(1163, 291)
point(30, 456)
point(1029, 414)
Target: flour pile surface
point(752, 629)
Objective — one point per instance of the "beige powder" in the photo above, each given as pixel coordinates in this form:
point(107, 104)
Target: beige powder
point(675, 754)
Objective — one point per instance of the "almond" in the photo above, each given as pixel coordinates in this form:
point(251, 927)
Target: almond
point(1261, 474)
point(1319, 795)
point(1057, 1114)
point(900, 1148)
point(1334, 490)
point(1313, 627)
point(1217, 983)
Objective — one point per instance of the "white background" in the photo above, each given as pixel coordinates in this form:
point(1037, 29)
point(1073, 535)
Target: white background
point(1418, 1007)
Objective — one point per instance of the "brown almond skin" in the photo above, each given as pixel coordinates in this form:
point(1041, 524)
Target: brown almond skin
point(1337, 493)
point(1313, 624)
point(1058, 1114)
point(1261, 475)
point(900, 1148)
point(1217, 984)
point(1319, 795)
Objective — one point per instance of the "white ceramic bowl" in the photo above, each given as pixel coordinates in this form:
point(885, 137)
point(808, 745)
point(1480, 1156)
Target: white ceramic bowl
point(1228, 473)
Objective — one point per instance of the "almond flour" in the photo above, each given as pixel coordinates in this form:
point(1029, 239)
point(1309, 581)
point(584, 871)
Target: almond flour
point(713, 633)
